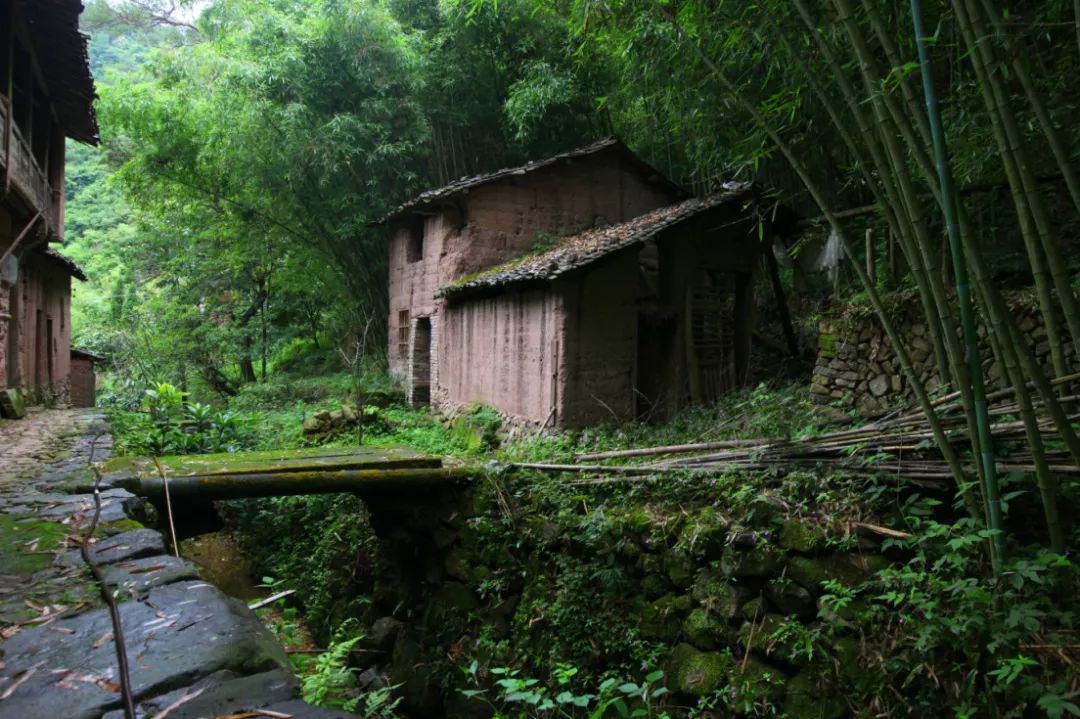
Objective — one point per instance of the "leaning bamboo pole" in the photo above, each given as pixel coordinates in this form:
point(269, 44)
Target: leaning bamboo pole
point(811, 185)
point(984, 447)
point(1033, 233)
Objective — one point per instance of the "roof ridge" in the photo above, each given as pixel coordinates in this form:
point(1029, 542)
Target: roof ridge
point(590, 245)
point(467, 182)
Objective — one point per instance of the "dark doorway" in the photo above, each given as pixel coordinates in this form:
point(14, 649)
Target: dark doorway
point(40, 348)
point(14, 328)
point(50, 349)
point(655, 342)
point(421, 363)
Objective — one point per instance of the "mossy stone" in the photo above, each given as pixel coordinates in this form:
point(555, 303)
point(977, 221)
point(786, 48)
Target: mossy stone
point(28, 543)
point(680, 568)
point(754, 683)
point(827, 345)
point(848, 569)
point(716, 594)
point(694, 672)
point(757, 562)
point(705, 535)
point(706, 630)
point(800, 535)
point(807, 696)
point(852, 613)
point(762, 637)
point(767, 510)
point(753, 608)
point(787, 597)
point(662, 619)
point(653, 586)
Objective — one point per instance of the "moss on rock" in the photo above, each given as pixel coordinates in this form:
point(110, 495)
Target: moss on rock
point(662, 619)
point(717, 595)
point(809, 696)
point(28, 543)
point(680, 568)
point(848, 569)
point(801, 535)
point(759, 561)
point(694, 672)
point(705, 535)
point(706, 630)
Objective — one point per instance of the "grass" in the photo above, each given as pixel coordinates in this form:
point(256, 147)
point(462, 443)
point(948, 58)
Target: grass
point(29, 543)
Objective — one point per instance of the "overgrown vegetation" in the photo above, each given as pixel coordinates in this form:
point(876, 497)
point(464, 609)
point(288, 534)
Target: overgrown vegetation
point(225, 226)
point(601, 581)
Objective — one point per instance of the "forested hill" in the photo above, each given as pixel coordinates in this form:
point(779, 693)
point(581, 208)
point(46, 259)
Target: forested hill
point(247, 144)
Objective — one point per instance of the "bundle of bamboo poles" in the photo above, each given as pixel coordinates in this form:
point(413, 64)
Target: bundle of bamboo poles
point(901, 444)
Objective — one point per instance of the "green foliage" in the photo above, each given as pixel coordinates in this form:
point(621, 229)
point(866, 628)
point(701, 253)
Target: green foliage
point(525, 698)
point(321, 565)
point(168, 424)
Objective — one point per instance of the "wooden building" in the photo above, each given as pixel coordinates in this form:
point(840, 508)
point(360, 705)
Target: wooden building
point(46, 96)
point(580, 289)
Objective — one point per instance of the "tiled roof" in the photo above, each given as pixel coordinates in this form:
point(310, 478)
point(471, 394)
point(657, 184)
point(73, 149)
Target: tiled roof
point(69, 264)
point(65, 62)
point(579, 250)
point(429, 197)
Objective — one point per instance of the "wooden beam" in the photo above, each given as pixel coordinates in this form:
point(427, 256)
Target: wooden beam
point(19, 239)
point(372, 483)
point(9, 121)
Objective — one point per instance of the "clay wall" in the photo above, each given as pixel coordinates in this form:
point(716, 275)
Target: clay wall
point(597, 366)
point(501, 351)
point(509, 218)
point(83, 383)
point(498, 222)
point(6, 296)
point(40, 331)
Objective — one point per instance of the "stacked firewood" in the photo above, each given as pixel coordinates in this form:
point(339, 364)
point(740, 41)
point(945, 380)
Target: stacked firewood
point(901, 444)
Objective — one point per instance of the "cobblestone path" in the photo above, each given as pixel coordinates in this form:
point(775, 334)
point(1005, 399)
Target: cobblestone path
point(193, 651)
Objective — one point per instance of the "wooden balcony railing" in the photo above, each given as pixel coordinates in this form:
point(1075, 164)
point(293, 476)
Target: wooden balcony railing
point(27, 177)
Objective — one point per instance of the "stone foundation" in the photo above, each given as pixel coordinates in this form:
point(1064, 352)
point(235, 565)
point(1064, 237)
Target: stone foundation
point(857, 367)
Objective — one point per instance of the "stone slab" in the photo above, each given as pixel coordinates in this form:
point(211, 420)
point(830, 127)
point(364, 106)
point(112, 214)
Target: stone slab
point(298, 709)
point(123, 547)
point(222, 693)
point(138, 576)
point(178, 635)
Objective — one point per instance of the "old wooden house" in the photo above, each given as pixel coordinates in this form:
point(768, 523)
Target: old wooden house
point(46, 96)
point(583, 288)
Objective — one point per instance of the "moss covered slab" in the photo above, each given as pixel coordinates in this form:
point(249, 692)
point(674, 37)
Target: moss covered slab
point(29, 543)
point(116, 471)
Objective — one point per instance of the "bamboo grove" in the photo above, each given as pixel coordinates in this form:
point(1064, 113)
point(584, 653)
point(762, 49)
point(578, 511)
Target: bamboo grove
point(791, 78)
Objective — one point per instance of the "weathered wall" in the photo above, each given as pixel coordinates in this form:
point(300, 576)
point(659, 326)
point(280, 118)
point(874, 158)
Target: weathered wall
point(6, 293)
point(83, 383)
point(497, 222)
point(501, 351)
point(857, 367)
point(597, 367)
point(40, 333)
point(504, 218)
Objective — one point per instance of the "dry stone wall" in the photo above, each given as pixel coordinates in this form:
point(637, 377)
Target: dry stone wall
point(857, 367)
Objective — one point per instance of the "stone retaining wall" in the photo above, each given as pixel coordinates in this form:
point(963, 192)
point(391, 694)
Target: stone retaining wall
point(857, 368)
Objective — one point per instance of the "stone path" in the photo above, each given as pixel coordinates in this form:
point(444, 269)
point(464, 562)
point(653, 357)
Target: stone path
point(190, 646)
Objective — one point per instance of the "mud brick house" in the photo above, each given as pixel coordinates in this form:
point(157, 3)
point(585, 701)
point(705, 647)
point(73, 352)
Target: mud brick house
point(579, 289)
point(46, 96)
